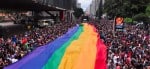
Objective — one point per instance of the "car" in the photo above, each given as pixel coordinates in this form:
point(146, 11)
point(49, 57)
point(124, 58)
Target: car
point(85, 18)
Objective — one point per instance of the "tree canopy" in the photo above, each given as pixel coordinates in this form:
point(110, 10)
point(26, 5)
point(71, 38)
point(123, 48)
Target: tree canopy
point(78, 12)
point(125, 8)
point(148, 10)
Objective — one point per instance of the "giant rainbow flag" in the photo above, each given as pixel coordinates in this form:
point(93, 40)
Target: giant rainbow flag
point(79, 48)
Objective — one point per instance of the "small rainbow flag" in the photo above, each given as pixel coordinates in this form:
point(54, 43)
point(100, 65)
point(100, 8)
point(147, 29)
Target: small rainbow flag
point(79, 48)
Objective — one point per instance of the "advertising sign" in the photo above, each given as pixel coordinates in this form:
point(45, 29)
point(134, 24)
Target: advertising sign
point(119, 23)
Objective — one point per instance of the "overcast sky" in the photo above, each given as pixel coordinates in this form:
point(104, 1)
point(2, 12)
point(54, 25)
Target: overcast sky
point(85, 3)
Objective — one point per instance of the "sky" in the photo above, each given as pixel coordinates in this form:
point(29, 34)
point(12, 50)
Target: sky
point(85, 3)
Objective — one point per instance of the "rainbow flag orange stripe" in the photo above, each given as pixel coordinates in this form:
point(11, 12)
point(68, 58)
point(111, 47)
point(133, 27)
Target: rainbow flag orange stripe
point(79, 48)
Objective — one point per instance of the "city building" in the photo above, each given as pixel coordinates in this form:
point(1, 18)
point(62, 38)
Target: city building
point(65, 4)
point(41, 8)
point(78, 5)
point(94, 6)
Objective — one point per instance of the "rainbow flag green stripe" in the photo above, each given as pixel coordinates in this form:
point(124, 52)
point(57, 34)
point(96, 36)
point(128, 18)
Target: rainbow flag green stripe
point(54, 61)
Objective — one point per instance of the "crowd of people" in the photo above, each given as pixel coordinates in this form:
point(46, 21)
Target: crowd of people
point(127, 49)
point(14, 48)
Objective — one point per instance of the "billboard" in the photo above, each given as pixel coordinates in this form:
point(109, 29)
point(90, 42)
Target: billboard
point(119, 24)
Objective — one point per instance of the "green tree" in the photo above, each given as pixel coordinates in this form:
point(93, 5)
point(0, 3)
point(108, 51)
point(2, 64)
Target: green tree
point(148, 10)
point(125, 8)
point(78, 12)
point(141, 17)
point(114, 8)
point(128, 20)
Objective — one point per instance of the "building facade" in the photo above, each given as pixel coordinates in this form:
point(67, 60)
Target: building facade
point(94, 6)
point(78, 5)
point(65, 4)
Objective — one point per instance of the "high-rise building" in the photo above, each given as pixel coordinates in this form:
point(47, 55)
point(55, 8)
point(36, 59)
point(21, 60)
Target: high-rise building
point(94, 6)
point(78, 5)
point(74, 4)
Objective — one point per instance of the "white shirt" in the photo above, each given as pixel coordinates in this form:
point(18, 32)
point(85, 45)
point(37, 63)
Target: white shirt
point(14, 60)
point(115, 59)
